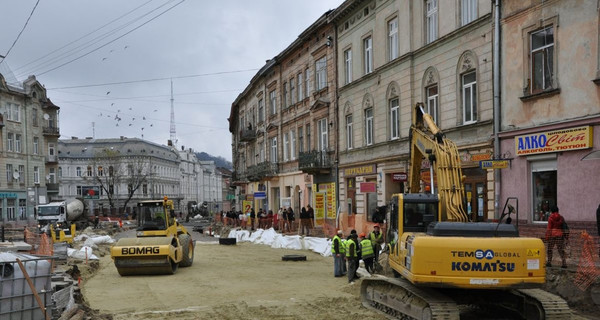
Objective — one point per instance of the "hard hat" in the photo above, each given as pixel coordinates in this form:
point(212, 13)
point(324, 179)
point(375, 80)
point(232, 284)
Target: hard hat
point(339, 232)
point(362, 235)
point(376, 225)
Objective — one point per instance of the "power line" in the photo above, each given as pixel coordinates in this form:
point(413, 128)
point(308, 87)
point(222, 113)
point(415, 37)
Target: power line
point(85, 35)
point(117, 38)
point(152, 79)
point(26, 22)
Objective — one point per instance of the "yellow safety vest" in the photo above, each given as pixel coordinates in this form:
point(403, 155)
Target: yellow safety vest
point(366, 248)
point(351, 244)
point(341, 247)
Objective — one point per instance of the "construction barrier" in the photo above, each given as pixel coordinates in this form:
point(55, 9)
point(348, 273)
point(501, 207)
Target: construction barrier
point(587, 266)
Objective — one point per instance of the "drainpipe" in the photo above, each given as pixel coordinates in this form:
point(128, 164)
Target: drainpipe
point(496, 59)
point(337, 133)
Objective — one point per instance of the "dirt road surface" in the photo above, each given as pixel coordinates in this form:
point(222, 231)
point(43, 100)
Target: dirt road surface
point(243, 281)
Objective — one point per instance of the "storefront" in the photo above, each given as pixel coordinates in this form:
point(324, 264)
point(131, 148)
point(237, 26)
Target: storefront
point(547, 170)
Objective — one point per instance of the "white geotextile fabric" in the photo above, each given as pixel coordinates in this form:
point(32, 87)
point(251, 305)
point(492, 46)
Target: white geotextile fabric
point(82, 253)
point(276, 240)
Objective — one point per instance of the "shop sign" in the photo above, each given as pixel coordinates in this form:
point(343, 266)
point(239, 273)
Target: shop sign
point(366, 187)
point(493, 164)
point(360, 171)
point(481, 156)
point(8, 195)
point(399, 177)
point(260, 195)
point(554, 141)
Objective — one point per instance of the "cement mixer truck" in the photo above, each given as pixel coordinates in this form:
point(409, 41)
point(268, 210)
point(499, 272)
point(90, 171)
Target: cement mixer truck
point(62, 213)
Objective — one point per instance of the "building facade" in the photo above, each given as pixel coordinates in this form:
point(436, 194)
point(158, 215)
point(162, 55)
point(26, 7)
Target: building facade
point(284, 128)
point(392, 55)
point(550, 118)
point(29, 133)
point(116, 168)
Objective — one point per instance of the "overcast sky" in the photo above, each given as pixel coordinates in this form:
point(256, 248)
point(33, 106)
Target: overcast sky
point(107, 63)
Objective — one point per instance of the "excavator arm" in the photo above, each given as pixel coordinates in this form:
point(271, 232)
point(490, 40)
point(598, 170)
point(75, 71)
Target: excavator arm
point(444, 162)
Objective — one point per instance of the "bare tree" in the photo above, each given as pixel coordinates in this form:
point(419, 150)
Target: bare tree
point(110, 170)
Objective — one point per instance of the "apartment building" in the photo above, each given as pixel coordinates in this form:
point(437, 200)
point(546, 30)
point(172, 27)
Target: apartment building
point(284, 128)
point(550, 118)
point(29, 133)
point(392, 55)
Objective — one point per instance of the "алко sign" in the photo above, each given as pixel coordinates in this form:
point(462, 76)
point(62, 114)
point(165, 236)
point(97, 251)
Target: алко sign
point(554, 141)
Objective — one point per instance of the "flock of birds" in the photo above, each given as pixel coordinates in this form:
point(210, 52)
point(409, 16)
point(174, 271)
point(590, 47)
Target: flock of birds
point(119, 116)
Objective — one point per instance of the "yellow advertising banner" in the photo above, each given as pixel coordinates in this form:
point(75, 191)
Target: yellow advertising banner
point(247, 206)
point(554, 141)
point(319, 204)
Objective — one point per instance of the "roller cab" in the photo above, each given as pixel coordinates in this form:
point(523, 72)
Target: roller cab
point(161, 246)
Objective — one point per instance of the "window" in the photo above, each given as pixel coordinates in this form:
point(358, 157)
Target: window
point(347, 66)
point(307, 79)
point(36, 145)
point(284, 100)
point(9, 173)
point(544, 188)
point(22, 209)
point(273, 102)
point(60, 173)
point(286, 146)
point(111, 171)
point(469, 95)
point(308, 137)
point(321, 73)
point(36, 175)
point(542, 59)
point(349, 132)
point(323, 136)
point(261, 152)
point(145, 189)
point(369, 126)
point(51, 149)
point(17, 143)
point(52, 175)
point(468, 11)
point(293, 144)
point(100, 171)
point(393, 39)
point(10, 209)
point(78, 171)
point(300, 90)
point(368, 54)
point(111, 189)
point(394, 119)
point(292, 91)
point(431, 21)
point(90, 171)
point(9, 141)
point(261, 111)
point(34, 117)
point(432, 102)
point(21, 173)
point(274, 150)
point(300, 139)
point(13, 111)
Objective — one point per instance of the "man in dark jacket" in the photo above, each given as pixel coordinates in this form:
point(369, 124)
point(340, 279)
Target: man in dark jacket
point(352, 257)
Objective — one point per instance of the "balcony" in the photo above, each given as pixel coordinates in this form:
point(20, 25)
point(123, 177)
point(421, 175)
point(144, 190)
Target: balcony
point(51, 131)
point(238, 178)
point(247, 135)
point(52, 187)
point(262, 170)
point(52, 159)
point(314, 161)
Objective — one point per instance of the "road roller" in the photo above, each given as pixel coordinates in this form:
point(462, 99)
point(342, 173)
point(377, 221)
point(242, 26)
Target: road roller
point(161, 245)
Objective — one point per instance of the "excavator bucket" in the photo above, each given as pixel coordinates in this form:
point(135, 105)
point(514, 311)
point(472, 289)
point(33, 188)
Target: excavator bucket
point(146, 256)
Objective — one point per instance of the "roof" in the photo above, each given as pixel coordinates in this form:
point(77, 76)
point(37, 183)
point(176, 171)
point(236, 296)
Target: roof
point(88, 148)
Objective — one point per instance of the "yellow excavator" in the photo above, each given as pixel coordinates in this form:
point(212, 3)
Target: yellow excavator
point(442, 260)
point(162, 244)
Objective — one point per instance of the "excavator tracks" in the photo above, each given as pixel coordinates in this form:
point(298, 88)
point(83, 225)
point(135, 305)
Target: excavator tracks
point(399, 299)
point(539, 304)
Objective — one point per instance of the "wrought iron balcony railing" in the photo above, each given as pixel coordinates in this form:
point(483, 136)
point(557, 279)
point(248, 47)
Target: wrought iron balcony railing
point(314, 160)
point(247, 135)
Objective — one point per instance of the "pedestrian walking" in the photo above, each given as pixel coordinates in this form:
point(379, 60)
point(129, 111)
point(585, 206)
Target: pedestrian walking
point(291, 219)
point(252, 218)
point(304, 222)
point(366, 252)
point(352, 257)
point(280, 221)
point(556, 237)
point(311, 217)
point(338, 251)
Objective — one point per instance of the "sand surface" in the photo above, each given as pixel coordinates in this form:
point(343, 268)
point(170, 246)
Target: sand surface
point(244, 281)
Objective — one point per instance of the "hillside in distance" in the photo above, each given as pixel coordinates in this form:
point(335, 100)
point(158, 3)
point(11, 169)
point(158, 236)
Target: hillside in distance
point(220, 162)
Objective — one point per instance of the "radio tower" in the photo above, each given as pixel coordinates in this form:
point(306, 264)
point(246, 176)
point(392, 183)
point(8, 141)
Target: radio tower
point(172, 131)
